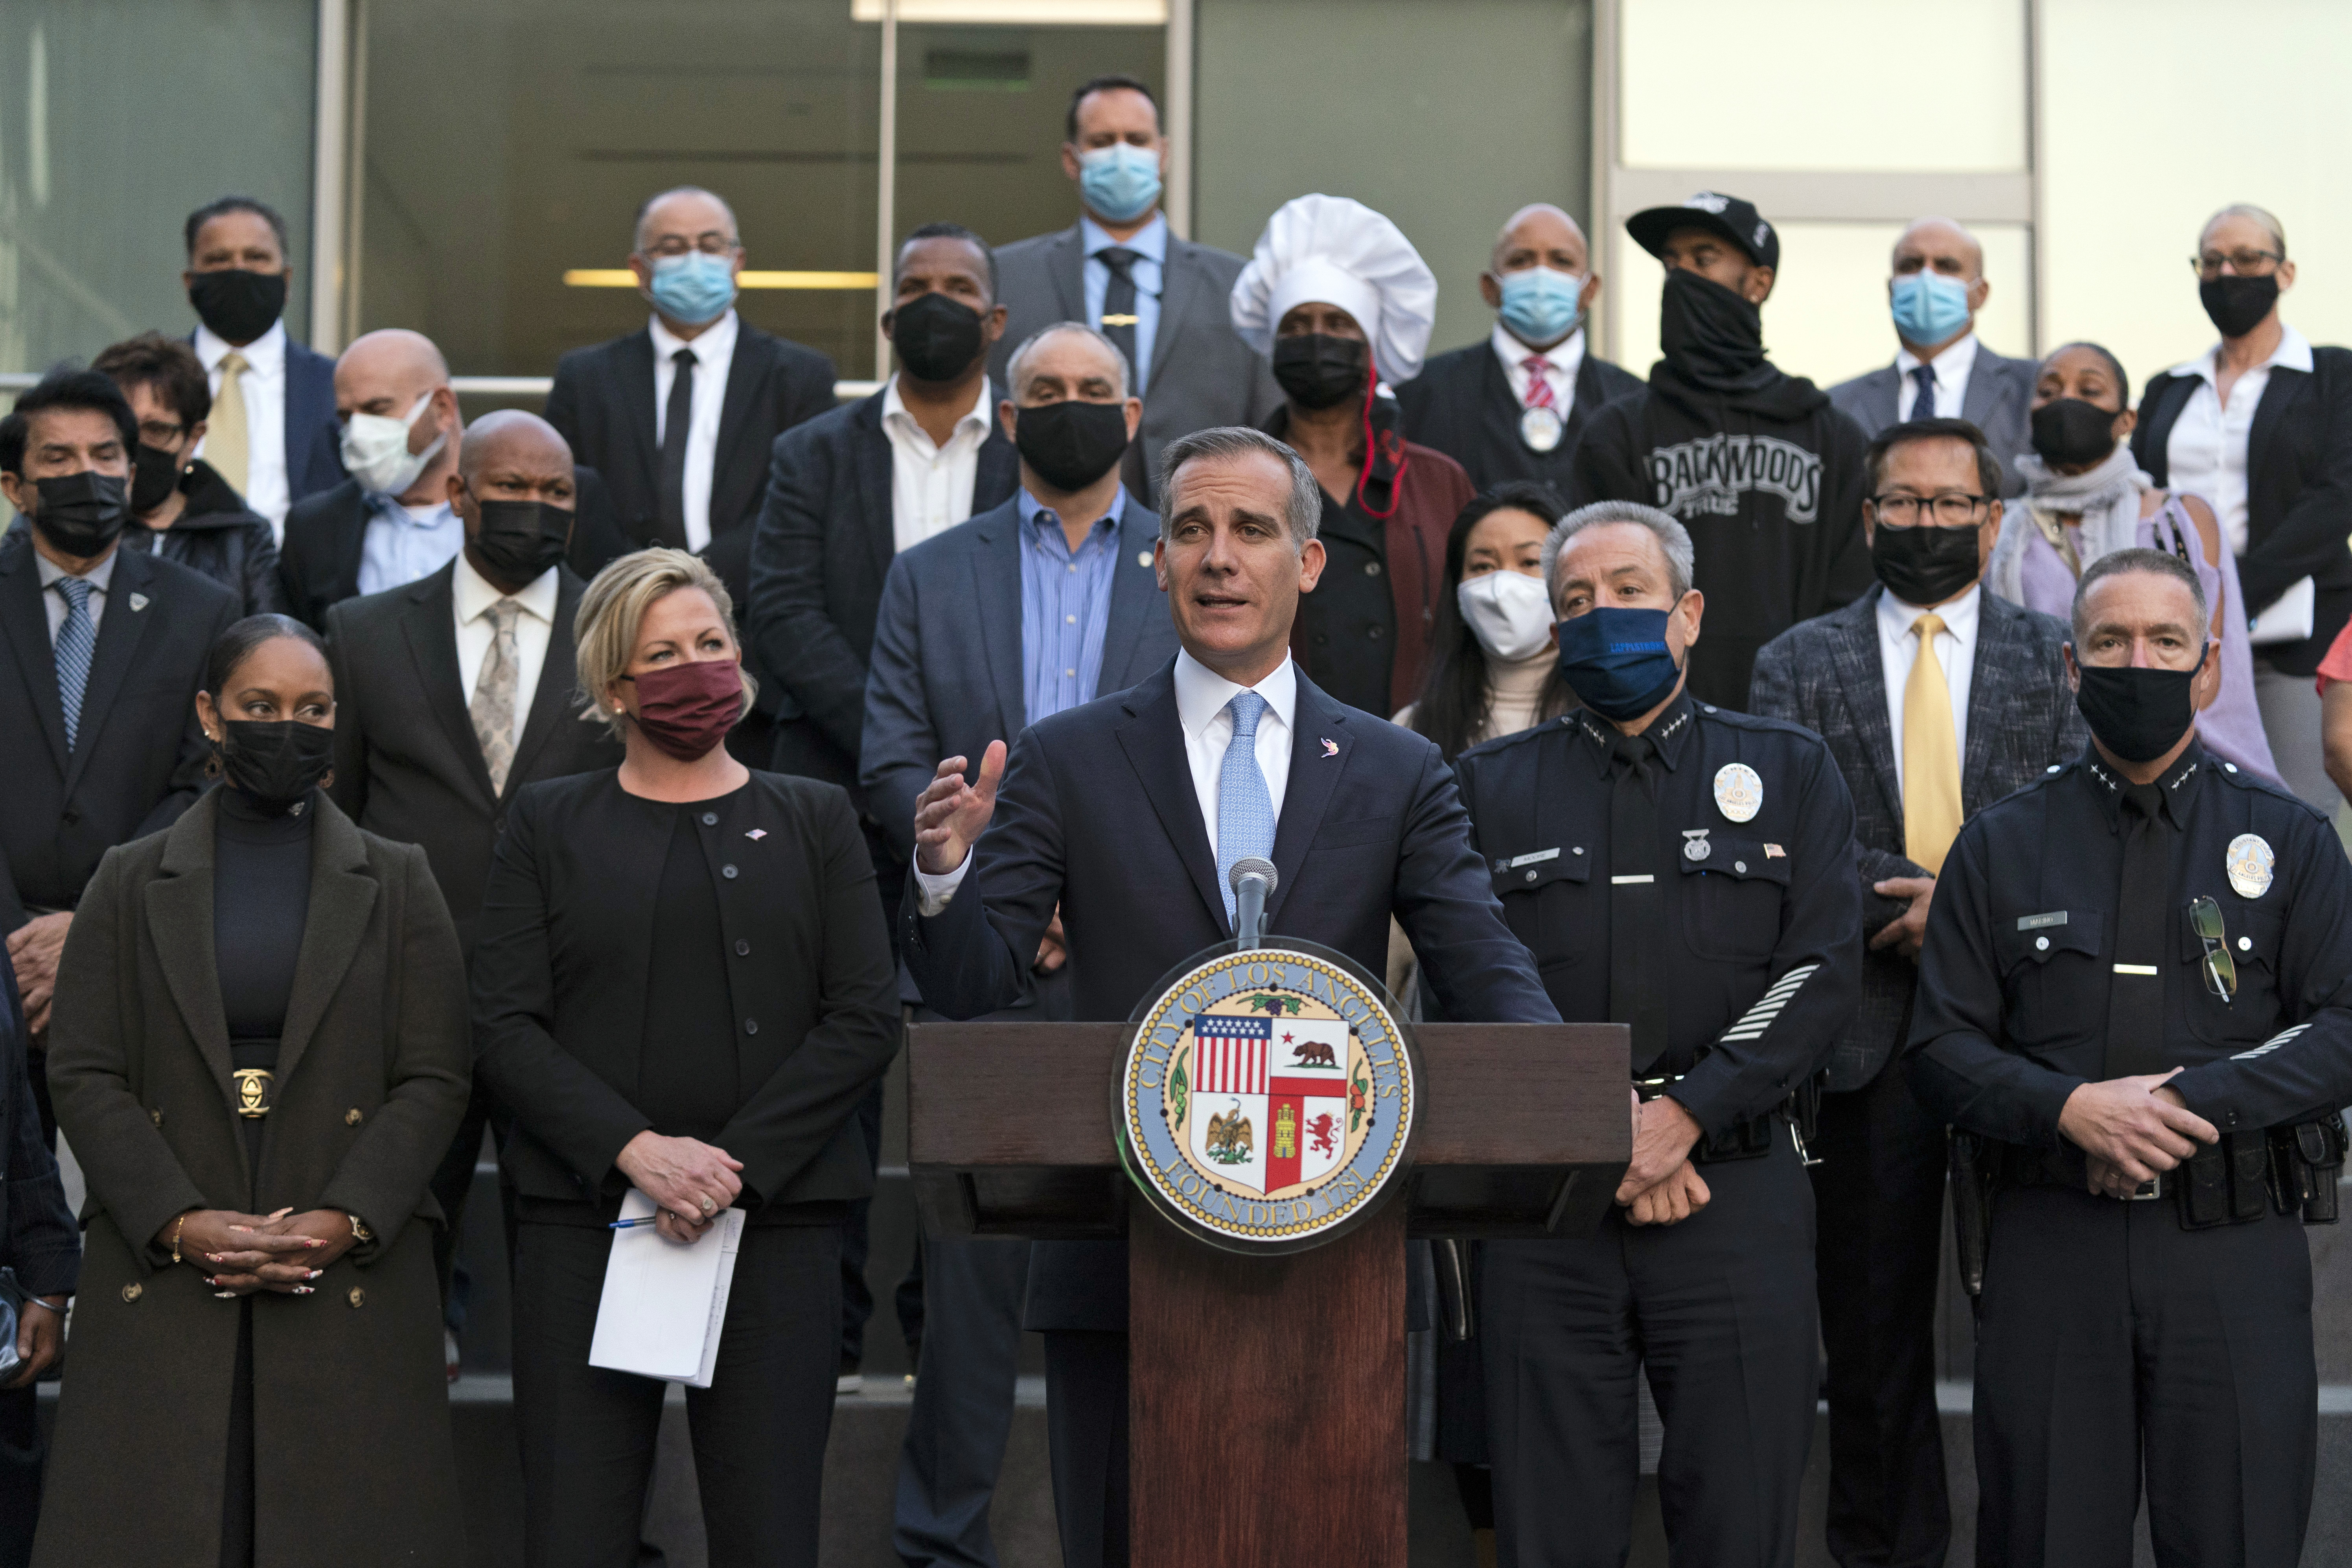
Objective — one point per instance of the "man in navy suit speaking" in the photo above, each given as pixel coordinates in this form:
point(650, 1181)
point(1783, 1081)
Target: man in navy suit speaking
point(1129, 813)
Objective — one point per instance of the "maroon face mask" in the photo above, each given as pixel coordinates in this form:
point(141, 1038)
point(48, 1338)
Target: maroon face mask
point(687, 709)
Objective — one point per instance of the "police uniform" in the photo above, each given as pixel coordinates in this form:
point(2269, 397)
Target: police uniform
point(2176, 1331)
point(1696, 882)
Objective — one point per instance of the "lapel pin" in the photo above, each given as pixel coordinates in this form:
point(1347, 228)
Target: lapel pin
point(756, 835)
point(1330, 747)
point(1143, 559)
point(138, 602)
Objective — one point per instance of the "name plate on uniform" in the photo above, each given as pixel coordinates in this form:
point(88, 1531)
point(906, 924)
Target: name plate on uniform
point(2036, 923)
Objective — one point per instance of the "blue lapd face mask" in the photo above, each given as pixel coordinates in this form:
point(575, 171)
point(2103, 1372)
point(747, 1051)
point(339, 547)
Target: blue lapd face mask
point(694, 289)
point(1930, 307)
point(1540, 305)
point(1120, 182)
point(1617, 660)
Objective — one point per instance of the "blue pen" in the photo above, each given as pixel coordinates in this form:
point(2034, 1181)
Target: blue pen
point(631, 1224)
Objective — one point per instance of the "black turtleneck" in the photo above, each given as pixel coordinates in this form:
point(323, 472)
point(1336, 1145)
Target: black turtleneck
point(261, 896)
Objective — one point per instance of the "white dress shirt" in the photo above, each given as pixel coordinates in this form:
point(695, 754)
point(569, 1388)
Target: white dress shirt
point(1565, 357)
point(714, 355)
point(2205, 453)
point(471, 596)
point(930, 486)
point(53, 604)
point(1202, 695)
point(1952, 367)
point(1956, 650)
point(263, 385)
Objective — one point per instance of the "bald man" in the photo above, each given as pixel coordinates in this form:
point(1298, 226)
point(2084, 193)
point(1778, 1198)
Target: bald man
point(1511, 407)
point(1937, 287)
point(453, 691)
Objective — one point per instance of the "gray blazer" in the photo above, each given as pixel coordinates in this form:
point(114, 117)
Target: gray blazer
point(1998, 401)
point(1825, 674)
point(1201, 373)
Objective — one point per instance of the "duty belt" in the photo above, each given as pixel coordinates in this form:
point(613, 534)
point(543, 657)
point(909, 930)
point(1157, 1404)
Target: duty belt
point(2292, 1168)
point(1750, 1138)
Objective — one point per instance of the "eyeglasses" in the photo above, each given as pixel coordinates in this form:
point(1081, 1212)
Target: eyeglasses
point(2220, 969)
point(2244, 263)
point(1949, 511)
point(709, 244)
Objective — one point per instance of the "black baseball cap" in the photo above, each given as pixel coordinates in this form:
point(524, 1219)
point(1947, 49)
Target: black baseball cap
point(1735, 220)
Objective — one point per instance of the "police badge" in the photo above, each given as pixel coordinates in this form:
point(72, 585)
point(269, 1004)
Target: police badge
point(1739, 792)
point(2249, 862)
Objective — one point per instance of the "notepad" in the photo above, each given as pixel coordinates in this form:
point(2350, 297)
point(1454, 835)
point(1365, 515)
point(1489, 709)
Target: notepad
point(664, 1301)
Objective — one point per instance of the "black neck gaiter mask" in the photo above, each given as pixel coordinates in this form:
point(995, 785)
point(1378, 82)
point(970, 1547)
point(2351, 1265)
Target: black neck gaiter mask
point(1712, 336)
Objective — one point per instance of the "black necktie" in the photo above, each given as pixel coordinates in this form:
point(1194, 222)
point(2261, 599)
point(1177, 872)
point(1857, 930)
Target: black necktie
point(1637, 902)
point(1923, 403)
point(2136, 987)
point(677, 420)
point(1118, 318)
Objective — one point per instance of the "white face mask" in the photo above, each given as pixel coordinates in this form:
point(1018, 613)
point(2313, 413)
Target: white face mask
point(375, 450)
point(1508, 612)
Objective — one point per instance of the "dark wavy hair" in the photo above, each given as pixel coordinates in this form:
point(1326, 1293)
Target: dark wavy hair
point(1452, 701)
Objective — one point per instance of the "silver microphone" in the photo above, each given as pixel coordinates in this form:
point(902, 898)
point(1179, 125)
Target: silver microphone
point(1252, 879)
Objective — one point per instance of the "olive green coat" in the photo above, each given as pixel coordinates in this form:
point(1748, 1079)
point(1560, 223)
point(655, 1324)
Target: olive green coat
point(352, 1457)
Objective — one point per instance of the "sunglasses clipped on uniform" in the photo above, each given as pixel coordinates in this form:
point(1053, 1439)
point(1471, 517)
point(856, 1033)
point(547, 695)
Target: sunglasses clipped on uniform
point(2219, 969)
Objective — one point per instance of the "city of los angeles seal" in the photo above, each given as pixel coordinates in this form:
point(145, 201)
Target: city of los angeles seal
point(1267, 1099)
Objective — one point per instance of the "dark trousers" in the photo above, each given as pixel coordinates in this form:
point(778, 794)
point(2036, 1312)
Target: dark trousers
point(1879, 1194)
point(20, 1474)
point(1720, 1313)
point(1086, 1435)
point(963, 1413)
point(453, 1182)
point(587, 1435)
point(2111, 1341)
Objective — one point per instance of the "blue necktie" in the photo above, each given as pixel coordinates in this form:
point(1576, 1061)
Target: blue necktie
point(1245, 806)
point(76, 640)
point(1923, 402)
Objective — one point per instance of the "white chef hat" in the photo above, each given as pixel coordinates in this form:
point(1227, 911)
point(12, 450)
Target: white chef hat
point(1340, 252)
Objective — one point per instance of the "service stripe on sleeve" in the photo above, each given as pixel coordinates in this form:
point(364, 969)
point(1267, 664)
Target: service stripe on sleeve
point(1758, 1019)
point(2273, 1043)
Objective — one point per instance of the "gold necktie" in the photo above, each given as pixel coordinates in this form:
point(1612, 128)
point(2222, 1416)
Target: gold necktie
point(1931, 756)
point(493, 708)
point(224, 440)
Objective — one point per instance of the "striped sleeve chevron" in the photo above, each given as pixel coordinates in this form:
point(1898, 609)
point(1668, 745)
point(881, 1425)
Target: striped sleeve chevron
point(2273, 1043)
point(1758, 1019)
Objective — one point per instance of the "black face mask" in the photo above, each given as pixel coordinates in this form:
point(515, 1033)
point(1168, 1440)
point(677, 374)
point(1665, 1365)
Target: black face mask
point(2237, 305)
point(82, 514)
point(937, 338)
point(275, 763)
point(155, 475)
point(1071, 444)
point(518, 539)
point(2139, 714)
point(1713, 336)
point(2069, 433)
point(1924, 564)
point(1318, 371)
point(237, 305)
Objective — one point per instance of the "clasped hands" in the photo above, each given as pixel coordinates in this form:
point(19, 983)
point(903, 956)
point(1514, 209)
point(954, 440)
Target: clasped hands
point(2131, 1130)
point(691, 1182)
point(240, 1252)
point(1661, 1185)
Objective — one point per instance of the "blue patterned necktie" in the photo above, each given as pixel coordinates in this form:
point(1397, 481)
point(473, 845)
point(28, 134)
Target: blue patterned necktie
point(1923, 402)
point(76, 640)
point(1245, 806)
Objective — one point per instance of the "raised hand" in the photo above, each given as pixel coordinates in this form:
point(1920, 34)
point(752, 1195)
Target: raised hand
point(950, 815)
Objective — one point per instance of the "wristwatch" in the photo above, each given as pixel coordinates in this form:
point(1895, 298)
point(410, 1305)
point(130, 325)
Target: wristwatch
point(358, 1232)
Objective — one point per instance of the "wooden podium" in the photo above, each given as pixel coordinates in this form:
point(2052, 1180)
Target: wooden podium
point(1266, 1394)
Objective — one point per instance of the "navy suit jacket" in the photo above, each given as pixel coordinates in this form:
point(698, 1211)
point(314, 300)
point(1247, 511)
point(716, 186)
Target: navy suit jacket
point(1097, 813)
point(314, 436)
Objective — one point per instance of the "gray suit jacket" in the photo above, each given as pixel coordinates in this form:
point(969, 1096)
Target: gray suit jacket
point(1825, 674)
point(1201, 373)
point(1998, 401)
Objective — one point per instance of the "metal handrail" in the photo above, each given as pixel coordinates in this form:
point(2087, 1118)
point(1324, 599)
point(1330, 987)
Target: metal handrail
point(485, 385)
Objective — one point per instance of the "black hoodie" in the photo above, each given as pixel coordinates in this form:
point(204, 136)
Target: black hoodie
point(1770, 483)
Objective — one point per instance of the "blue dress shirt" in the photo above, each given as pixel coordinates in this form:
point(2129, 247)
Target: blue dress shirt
point(1064, 606)
point(398, 548)
point(1150, 247)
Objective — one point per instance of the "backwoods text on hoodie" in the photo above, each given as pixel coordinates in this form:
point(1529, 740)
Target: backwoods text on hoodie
point(1705, 476)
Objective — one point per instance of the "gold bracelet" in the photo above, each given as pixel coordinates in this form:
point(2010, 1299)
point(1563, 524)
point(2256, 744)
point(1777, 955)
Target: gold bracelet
point(360, 1233)
point(175, 1237)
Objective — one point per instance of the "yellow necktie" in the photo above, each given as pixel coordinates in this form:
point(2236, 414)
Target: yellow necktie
point(224, 441)
point(1931, 756)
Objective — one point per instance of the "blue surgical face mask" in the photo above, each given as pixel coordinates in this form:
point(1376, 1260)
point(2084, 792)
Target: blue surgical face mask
point(1617, 660)
point(1540, 305)
point(1120, 182)
point(694, 289)
point(1930, 307)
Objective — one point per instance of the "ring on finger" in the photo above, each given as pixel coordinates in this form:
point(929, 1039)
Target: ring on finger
point(708, 1207)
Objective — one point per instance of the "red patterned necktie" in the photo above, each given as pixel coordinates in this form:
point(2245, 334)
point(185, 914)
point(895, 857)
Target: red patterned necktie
point(1538, 371)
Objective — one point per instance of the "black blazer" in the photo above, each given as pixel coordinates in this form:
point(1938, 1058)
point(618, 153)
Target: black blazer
point(1097, 813)
point(39, 1237)
point(602, 401)
point(821, 553)
point(219, 537)
point(407, 766)
point(319, 560)
point(1461, 404)
point(139, 757)
point(2298, 490)
point(560, 973)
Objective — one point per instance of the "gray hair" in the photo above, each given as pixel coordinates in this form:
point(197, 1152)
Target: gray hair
point(2157, 563)
point(1304, 508)
point(2262, 216)
point(1018, 367)
point(1673, 539)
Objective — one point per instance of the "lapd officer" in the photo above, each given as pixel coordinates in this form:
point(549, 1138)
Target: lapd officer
point(2137, 985)
point(1686, 870)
